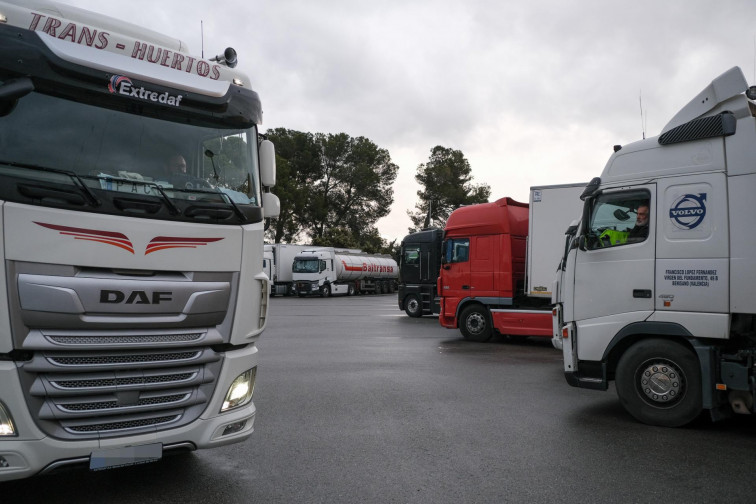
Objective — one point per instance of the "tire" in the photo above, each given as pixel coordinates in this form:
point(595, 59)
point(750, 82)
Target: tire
point(475, 324)
point(350, 290)
point(658, 382)
point(325, 291)
point(412, 306)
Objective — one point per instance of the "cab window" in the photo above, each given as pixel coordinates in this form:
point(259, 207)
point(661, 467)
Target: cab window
point(618, 219)
point(411, 256)
point(456, 250)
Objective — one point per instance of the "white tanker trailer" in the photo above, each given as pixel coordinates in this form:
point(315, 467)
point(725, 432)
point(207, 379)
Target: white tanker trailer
point(327, 271)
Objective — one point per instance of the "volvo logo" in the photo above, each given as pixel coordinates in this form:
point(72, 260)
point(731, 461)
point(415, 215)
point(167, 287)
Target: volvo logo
point(688, 211)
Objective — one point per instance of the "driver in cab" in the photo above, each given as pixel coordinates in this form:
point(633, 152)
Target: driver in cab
point(636, 234)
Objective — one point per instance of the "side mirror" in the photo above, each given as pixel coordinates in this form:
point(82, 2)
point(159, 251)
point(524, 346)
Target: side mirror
point(581, 243)
point(271, 205)
point(267, 164)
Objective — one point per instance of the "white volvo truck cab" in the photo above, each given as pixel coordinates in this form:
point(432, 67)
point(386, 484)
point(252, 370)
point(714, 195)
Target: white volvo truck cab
point(668, 312)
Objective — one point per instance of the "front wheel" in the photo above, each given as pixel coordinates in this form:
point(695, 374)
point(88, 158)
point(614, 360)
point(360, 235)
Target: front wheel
point(325, 291)
point(659, 382)
point(412, 306)
point(475, 324)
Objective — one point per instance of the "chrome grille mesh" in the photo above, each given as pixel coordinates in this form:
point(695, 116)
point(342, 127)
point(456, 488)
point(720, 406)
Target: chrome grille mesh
point(125, 339)
point(97, 360)
point(93, 406)
point(122, 426)
point(114, 382)
point(116, 391)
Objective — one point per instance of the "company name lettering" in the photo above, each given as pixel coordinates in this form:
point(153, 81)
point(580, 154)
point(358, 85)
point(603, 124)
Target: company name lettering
point(686, 212)
point(141, 50)
point(126, 88)
point(135, 297)
point(374, 268)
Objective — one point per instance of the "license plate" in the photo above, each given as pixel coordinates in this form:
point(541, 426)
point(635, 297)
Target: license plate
point(120, 457)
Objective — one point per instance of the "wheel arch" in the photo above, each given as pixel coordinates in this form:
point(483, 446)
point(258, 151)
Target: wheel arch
point(638, 331)
point(464, 303)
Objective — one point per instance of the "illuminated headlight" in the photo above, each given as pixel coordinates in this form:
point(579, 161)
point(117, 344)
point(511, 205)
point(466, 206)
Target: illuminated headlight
point(3, 19)
point(240, 391)
point(6, 422)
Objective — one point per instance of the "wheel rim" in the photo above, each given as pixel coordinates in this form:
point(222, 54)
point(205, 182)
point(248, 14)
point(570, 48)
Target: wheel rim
point(660, 382)
point(475, 323)
point(413, 305)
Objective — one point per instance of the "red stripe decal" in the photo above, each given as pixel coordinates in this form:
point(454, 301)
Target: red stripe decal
point(119, 240)
point(168, 242)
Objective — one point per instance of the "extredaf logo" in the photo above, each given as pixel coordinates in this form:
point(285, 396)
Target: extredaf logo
point(123, 85)
point(688, 211)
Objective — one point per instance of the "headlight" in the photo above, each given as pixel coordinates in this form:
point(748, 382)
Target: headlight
point(6, 422)
point(240, 391)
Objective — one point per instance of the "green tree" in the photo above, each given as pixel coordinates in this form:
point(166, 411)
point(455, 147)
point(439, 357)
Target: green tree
point(298, 167)
point(446, 182)
point(354, 189)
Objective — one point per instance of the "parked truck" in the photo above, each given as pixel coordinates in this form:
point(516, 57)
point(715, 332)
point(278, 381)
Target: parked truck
point(670, 314)
point(499, 261)
point(327, 271)
point(283, 261)
point(419, 264)
point(133, 198)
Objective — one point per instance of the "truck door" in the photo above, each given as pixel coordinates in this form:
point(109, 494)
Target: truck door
point(614, 267)
point(411, 268)
point(693, 267)
point(482, 265)
point(456, 269)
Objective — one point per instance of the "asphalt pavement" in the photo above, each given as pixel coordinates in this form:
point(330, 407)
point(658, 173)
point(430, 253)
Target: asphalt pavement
point(358, 403)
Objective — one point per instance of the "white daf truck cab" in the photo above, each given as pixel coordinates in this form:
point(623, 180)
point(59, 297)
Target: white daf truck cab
point(133, 200)
point(669, 312)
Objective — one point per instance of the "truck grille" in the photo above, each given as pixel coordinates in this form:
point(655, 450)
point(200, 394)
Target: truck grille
point(122, 340)
point(125, 425)
point(121, 384)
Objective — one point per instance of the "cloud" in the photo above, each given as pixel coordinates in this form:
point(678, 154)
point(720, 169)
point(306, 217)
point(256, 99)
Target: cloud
point(533, 93)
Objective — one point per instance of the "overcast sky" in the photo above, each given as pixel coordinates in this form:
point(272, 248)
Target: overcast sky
point(533, 92)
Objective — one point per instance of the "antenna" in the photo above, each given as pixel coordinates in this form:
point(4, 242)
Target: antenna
point(202, 35)
point(643, 115)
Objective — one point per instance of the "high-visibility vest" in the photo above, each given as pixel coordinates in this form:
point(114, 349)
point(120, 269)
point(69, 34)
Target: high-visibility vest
point(611, 237)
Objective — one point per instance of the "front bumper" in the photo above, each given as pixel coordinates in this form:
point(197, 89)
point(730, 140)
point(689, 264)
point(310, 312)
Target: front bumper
point(33, 452)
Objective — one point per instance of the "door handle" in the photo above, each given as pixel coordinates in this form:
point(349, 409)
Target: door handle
point(465, 287)
point(642, 293)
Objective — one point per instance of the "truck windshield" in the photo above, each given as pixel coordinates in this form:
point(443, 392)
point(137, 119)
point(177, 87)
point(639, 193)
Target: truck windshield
point(127, 152)
point(305, 266)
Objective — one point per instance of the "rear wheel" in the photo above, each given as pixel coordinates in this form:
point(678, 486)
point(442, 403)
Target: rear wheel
point(350, 290)
point(412, 306)
point(659, 382)
point(475, 324)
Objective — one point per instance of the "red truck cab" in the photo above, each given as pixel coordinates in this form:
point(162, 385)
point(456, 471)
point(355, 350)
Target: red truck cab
point(482, 276)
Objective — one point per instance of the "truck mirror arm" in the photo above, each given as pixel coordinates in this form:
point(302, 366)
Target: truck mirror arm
point(580, 243)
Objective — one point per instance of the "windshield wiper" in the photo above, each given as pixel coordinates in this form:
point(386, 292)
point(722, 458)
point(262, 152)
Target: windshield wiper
point(173, 209)
point(75, 178)
point(237, 210)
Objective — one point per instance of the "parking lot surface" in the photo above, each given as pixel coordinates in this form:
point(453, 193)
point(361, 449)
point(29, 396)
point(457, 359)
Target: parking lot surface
point(358, 403)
